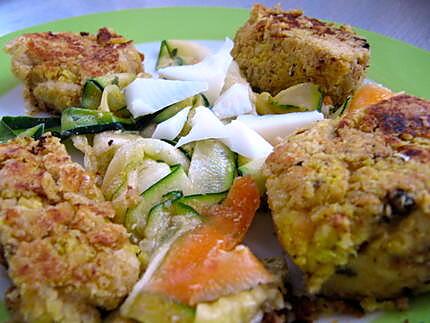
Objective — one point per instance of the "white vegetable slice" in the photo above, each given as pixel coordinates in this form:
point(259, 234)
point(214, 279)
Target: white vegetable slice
point(189, 50)
point(212, 69)
point(111, 140)
point(233, 77)
point(245, 141)
point(254, 168)
point(233, 102)
point(143, 176)
point(106, 143)
point(236, 135)
point(150, 174)
point(136, 179)
point(180, 52)
point(133, 155)
point(205, 125)
point(274, 127)
point(160, 150)
point(171, 128)
point(212, 168)
point(127, 158)
point(90, 159)
point(146, 96)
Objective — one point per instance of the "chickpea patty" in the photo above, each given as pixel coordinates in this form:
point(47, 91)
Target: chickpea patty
point(276, 49)
point(55, 66)
point(65, 258)
point(351, 200)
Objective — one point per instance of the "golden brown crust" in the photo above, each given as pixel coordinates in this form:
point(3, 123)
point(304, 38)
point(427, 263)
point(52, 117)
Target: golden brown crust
point(57, 237)
point(65, 60)
point(276, 49)
point(400, 120)
point(281, 23)
point(351, 204)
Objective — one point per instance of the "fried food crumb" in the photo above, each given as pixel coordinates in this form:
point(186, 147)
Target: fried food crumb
point(276, 49)
point(351, 201)
point(65, 257)
point(55, 66)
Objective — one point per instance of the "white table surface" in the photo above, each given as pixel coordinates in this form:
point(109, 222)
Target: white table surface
point(407, 20)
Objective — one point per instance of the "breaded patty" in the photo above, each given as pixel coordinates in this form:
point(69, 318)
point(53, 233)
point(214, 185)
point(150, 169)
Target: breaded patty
point(54, 66)
point(351, 201)
point(276, 49)
point(64, 256)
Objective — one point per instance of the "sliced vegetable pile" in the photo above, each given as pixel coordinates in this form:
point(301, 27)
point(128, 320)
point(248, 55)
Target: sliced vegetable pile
point(167, 151)
point(204, 264)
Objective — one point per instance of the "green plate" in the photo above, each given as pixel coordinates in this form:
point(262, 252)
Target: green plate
point(397, 65)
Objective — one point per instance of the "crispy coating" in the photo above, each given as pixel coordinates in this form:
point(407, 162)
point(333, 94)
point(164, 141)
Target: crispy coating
point(276, 49)
point(351, 201)
point(54, 66)
point(64, 256)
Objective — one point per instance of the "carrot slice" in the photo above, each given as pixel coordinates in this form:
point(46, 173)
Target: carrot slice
point(204, 264)
point(369, 94)
point(221, 273)
point(234, 216)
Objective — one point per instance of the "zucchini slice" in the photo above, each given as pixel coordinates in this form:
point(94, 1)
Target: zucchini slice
point(242, 160)
point(127, 158)
point(140, 164)
point(254, 168)
point(188, 124)
point(341, 110)
point(161, 215)
point(179, 52)
point(34, 132)
point(158, 221)
point(136, 218)
point(116, 101)
point(131, 167)
point(6, 133)
point(92, 95)
point(188, 149)
point(93, 88)
point(167, 220)
point(21, 123)
point(120, 79)
point(167, 56)
point(106, 144)
point(200, 100)
point(212, 168)
point(77, 121)
point(304, 96)
point(150, 307)
point(298, 98)
point(171, 196)
point(163, 151)
point(200, 201)
point(139, 177)
point(170, 111)
point(11, 127)
point(111, 98)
